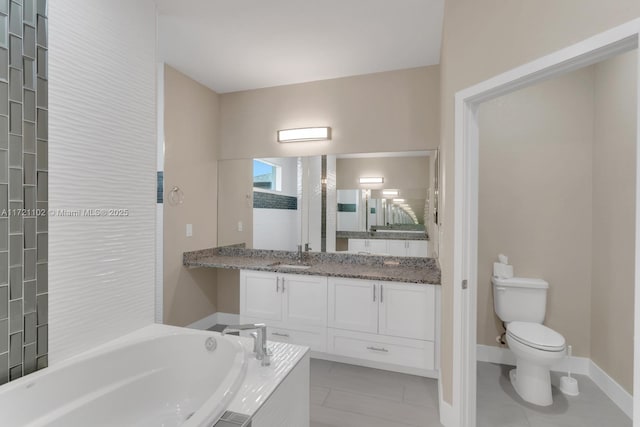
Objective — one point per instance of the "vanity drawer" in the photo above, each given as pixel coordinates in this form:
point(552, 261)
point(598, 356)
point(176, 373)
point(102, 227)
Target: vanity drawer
point(316, 341)
point(397, 351)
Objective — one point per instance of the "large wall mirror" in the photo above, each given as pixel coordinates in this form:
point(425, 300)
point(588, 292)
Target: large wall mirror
point(372, 203)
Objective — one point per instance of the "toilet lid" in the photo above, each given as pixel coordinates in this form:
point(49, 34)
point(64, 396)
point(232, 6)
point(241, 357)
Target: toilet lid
point(536, 335)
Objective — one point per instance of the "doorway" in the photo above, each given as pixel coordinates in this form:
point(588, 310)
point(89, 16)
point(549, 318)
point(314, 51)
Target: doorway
point(465, 261)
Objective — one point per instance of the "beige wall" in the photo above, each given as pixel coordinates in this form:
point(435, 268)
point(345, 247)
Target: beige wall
point(399, 172)
point(390, 111)
point(535, 200)
point(482, 39)
point(191, 163)
point(229, 291)
point(235, 203)
point(614, 171)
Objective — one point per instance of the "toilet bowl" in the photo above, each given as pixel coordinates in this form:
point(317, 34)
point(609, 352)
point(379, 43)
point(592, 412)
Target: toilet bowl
point(521, 303)
point(537, 348)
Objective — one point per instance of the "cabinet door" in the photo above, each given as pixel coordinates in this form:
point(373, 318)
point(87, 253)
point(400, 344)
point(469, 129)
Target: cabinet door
point(407, 311)
point(377, 246)
point(260, 296)
point(397, 247)
point(353, 305)
point(357, 245)
point(305, 300)
point(417, 248)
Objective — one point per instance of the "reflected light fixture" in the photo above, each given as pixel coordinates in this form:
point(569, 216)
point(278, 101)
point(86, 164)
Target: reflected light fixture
point(304, 134)
point(389, 192)
point(398, 200)
point(372, 180)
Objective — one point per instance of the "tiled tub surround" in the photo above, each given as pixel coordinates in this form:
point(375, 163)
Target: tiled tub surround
point(330, 264)
point(23, 188)
point(192, 385)
point(393, 235)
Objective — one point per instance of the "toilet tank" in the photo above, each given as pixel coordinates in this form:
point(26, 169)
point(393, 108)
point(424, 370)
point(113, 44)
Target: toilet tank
point(520, 299)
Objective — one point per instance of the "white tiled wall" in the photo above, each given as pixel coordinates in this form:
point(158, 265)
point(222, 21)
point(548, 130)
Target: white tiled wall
point(102, 155)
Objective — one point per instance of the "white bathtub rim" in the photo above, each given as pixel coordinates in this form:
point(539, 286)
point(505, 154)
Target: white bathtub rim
point(210, 410)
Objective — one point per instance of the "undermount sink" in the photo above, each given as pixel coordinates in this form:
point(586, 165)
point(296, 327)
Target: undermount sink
point(290, 266)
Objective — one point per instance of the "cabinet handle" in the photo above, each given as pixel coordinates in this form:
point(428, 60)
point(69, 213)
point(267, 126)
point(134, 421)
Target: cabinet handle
point(374, 293)
point(278, 334)
point(277, 285)
point(380, 349)
point(381, 293)
point(283, 285)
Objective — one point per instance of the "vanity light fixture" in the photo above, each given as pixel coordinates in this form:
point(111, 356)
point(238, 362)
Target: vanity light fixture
point(304, 134)
point(389, 192)
point(372, 180)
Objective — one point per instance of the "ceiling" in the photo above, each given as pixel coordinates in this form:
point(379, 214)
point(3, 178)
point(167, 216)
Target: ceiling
point(232, 45)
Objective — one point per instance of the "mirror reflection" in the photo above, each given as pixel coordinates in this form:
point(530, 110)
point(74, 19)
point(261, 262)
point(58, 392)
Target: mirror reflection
point(372, 203)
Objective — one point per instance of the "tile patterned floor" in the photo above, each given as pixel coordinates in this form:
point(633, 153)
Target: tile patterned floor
point(500, 405)
point(353, 396)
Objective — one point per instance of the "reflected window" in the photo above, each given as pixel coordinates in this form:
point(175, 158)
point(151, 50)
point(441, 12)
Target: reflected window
point(267, 176)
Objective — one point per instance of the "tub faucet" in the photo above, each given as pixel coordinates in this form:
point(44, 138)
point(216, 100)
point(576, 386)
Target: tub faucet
point(259, 339)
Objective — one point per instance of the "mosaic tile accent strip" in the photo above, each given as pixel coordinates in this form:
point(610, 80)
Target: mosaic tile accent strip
point(23, 188)
point(160, 187)
point(346, 207)
point(264, 200)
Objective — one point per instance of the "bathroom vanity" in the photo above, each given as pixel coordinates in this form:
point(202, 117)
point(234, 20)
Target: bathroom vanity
point(400, 244)
point(381, 312)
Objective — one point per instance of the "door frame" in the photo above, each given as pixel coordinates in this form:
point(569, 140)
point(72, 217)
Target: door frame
point(466, 148)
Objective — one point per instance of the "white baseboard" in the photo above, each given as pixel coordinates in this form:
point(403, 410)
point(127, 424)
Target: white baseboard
point(447, 415)
point(612, 389)
point(578, 365)
point(214, 319)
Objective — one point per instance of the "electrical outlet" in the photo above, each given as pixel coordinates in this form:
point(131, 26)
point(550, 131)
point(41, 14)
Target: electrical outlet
point(189, 230)
point(240, 226)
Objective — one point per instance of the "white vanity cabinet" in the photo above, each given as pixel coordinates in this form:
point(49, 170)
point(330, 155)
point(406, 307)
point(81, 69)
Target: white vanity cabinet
point(410, 248)
point(353, 305)
point(407, 311)
point(392, 323)
point(260, 296)
point(387, 325)
point(417, 248)
point(374, 246)
point(293, 306)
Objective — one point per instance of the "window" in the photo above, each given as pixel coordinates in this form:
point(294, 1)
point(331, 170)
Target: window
point(267, 176)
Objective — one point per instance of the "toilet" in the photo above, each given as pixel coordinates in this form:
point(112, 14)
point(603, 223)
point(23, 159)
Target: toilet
point(521, 303)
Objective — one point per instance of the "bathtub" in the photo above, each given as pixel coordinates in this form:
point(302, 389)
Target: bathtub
point(157, 376)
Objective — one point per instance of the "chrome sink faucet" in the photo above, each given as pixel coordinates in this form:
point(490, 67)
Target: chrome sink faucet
point(259, 339)
point(299, 258)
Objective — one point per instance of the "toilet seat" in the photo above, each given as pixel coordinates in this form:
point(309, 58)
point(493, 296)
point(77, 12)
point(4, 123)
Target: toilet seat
point(536, 336)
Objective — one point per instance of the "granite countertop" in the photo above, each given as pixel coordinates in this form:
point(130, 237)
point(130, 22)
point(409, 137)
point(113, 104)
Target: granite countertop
point(336, 264)
point(387, 235)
